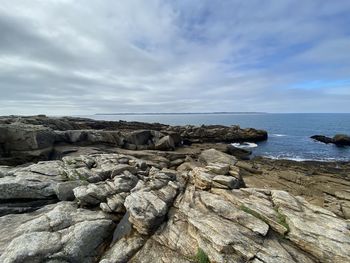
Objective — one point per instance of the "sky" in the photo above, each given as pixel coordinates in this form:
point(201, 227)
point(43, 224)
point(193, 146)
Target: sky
point(70, 57)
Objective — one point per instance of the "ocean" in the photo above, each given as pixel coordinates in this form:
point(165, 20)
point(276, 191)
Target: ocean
point(289, 134)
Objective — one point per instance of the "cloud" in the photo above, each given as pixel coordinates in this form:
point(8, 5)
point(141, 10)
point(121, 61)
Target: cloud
point(78, 57)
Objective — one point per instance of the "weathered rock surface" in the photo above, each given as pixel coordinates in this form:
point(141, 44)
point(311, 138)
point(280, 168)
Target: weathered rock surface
point(324, 184)
point(25, 143)
point(219, 133)
point(26, 139)
point(28, 188)
point(215, 156)
point(55, 233)
point(129, 206)
point(165, 143)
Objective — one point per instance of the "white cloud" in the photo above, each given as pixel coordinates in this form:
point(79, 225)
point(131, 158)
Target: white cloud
point(83, 57)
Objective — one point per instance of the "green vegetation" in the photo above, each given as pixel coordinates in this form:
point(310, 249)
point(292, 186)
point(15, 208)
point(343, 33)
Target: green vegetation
point(201, 256)
point(252, 212)
point(282, 220)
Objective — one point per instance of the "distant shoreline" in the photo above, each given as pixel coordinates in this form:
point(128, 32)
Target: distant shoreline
point(178, 113)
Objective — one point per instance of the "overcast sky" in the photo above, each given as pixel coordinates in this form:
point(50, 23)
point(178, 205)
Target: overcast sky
point(89, 56)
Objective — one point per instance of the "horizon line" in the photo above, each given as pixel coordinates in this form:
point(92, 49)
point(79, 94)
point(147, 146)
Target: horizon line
point(182, 113)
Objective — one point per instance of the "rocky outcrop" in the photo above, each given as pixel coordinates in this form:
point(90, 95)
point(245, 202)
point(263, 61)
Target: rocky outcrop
point(163, 206)
point(31, 139)
point(240, 153)
point(339, 139)
point(28, 188)
point(342, 140)
point(130, 207)
point(219, 133)
point(215, 156)
point(255, 226)
point(24, 143)
point(78, 123)
point(56, 233)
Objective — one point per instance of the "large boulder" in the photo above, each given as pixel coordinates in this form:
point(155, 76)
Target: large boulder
point(204, 178)
point(21, 137)
point(165, 143)
point(142, 137)
point(55, 233)
point(89, 137)
point(341, 140)
point(338, 139)
point(28, 188)
point(215, 156)
point(219, 133)
point(149, 202)
point(21, 143)
point(322, 138)
point(240, 153)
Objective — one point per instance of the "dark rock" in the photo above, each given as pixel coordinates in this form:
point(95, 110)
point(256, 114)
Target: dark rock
point(26, 142)
point(34, 138)
point(23, 206)
point(176, 138)
point(341, 140)
point(219, 133)
point(139, 137)
point(165, 143)
point(64, 190)
point(338, 139)
point(322, 138)
point(238, 152)
point(186, 142)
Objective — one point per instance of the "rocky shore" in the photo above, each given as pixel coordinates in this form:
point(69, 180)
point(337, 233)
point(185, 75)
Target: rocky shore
point(78, 190)
point(338, 139)
point(35, 138)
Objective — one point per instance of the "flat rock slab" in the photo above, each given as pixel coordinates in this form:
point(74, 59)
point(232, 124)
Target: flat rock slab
point(59, 232)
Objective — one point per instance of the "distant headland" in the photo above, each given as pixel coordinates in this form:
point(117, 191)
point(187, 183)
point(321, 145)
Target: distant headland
point(180, 113)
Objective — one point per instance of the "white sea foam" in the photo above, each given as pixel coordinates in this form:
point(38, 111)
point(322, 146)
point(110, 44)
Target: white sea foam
point(245, 145)
point(300, 159)
point(278, 135)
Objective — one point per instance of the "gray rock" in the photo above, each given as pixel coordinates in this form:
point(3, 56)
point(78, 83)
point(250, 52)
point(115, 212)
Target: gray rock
point(22, 137)
point(55, 233)
point(314, 229)
point(205, 179)
point(120, 168)
point(64, 190)
point(27, 186)
point(223, 181)
point(90, 137)
point(22, 143)
point(149, 202)
point(238, 152)
point(141, 137)
point(124, 249)
point(215, 156)
point(218, 168)
point(165, 143)
point(94, 194)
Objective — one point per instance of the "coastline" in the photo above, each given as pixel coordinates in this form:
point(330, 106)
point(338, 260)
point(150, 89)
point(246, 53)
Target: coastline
point(122, 191)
